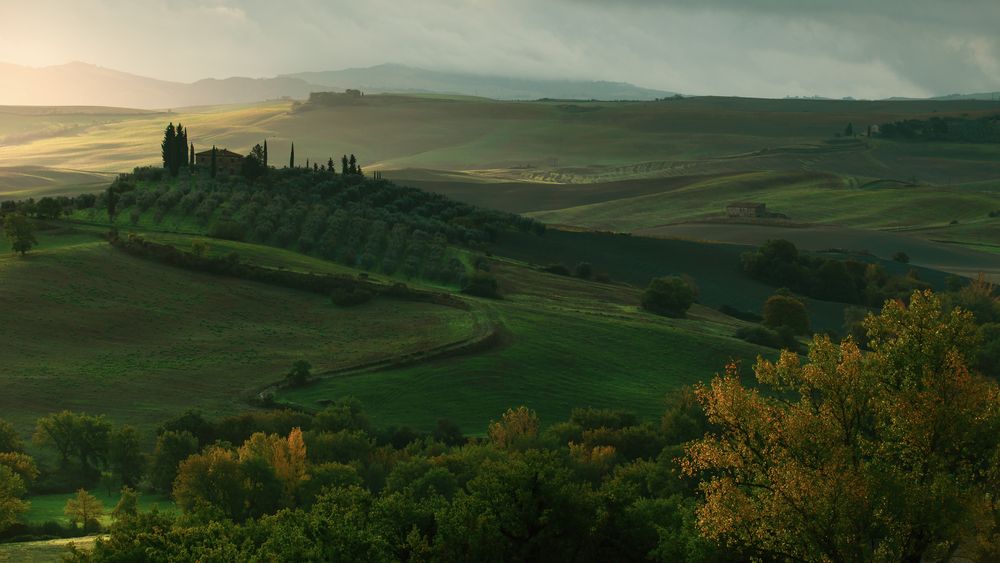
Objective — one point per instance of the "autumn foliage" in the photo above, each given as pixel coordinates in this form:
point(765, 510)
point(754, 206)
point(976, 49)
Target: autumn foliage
point(887, 456)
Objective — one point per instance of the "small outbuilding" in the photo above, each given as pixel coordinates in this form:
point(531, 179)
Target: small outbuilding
point(746, 209)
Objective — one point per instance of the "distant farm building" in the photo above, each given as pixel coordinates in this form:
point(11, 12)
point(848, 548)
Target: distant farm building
point(746, 209)
point(227, 162)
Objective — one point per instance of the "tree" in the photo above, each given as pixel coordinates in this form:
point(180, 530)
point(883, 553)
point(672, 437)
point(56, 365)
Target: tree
point(78, 437)
point(583, 270)
point(670, 296)
point(901, 257)
point(127, 506)
point(330, 166)
point(213, 167)
point(191, 162)
point(168, 148)
point(353, 165)
point(344, 169)
point(10, 441)
point(786, 311)
point(11, 490)
point(264, 159)
point(849, 130)
point(48, 208)
point(514, 426)
point(125, 455)
point(291, 157)
point(299, 374)
point(85, 509)
point(885, 456)
point(171, 448)
point(112, 196)
point(20, 231)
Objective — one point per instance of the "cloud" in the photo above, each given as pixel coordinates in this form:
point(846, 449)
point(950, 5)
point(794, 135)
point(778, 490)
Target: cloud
point(746, 47)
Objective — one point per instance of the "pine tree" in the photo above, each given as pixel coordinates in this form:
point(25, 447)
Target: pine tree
point(353, 165)
point(330, 166)
point(343, 165)
point(291, 157)
point(213, 161)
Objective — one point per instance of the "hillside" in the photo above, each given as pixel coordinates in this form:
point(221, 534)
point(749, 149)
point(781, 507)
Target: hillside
point(392, 78)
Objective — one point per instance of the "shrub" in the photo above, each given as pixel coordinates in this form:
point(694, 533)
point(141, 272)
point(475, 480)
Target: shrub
point(299, 374)
point(481, 284)
point(671, 296)
point(901, 257)
point(583, 270)
point(785, 311)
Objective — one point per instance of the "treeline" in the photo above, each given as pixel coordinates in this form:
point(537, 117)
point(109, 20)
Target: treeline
point(947, 129)
point(230, 265)
point(366, 223)
point(779, 263)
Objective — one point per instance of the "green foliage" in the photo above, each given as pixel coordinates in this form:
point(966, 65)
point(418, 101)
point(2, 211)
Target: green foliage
point(10, 440)
point(299, 374)
point(20, 231)
point(786, 311)
point(481, 284)
point(172, 447)
point(125, 457)
point(86, 510)
point(11, 490)
point(81, 440)
point(671, 296)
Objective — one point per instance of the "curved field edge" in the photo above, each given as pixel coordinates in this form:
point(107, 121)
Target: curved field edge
point(141, 341)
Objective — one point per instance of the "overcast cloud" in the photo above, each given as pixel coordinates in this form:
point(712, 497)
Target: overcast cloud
point(860, 48)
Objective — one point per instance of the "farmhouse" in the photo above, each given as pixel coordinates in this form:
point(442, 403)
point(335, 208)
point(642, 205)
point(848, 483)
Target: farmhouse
point(227, 162)
point(746, 209)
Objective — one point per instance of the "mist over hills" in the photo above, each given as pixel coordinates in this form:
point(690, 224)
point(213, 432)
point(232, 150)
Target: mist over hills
point(85, 84)
point(392, 78)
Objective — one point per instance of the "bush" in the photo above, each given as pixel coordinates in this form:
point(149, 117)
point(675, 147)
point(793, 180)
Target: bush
point(901, 257)
point(481, 284)
point(785, 311)
point(583, 270)
point(670, 296)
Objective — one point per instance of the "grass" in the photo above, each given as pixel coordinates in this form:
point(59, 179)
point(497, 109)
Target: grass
point(43, 551)
point(141, 342)
point(571, 343)
point(49, 508)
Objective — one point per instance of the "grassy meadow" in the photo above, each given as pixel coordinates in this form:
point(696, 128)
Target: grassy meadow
point(569, 343)
point(140, 341)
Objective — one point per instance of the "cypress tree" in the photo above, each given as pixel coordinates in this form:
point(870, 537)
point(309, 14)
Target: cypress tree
point(343, 165)
point(167, 146)
point(213, 161)
point(291, 157)
point(191, 157)
point(307, 164)
point(354, 165)
point(265, 153)
point(331, 166)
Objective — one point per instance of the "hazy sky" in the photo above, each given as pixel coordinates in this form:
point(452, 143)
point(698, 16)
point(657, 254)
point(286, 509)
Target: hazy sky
point(861, 48)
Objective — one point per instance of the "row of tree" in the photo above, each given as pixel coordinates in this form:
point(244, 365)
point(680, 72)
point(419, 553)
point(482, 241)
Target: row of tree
point(175, 150)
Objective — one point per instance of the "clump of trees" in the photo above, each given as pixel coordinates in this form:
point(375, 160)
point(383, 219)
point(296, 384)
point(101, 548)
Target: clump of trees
point(779, 263)
point(890, 455)
point(959, 129)
point(670, 296)
point(20, 231)
point(174, 149)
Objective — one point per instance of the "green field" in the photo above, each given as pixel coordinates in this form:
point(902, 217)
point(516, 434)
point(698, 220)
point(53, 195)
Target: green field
point(141, 342)
point(50, 508)
point(570, 343)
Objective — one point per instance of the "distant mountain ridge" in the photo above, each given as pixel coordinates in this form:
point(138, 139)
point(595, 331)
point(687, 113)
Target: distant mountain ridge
point(82, 84)
point(393, 78)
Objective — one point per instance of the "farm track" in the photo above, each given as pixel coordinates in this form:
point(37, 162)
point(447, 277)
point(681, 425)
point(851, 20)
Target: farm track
point(488, 333)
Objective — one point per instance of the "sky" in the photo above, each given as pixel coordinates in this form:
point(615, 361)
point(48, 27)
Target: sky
point(766, 48)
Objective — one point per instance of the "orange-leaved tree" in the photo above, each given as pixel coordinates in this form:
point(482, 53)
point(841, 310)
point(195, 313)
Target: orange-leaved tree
point(890, 455)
